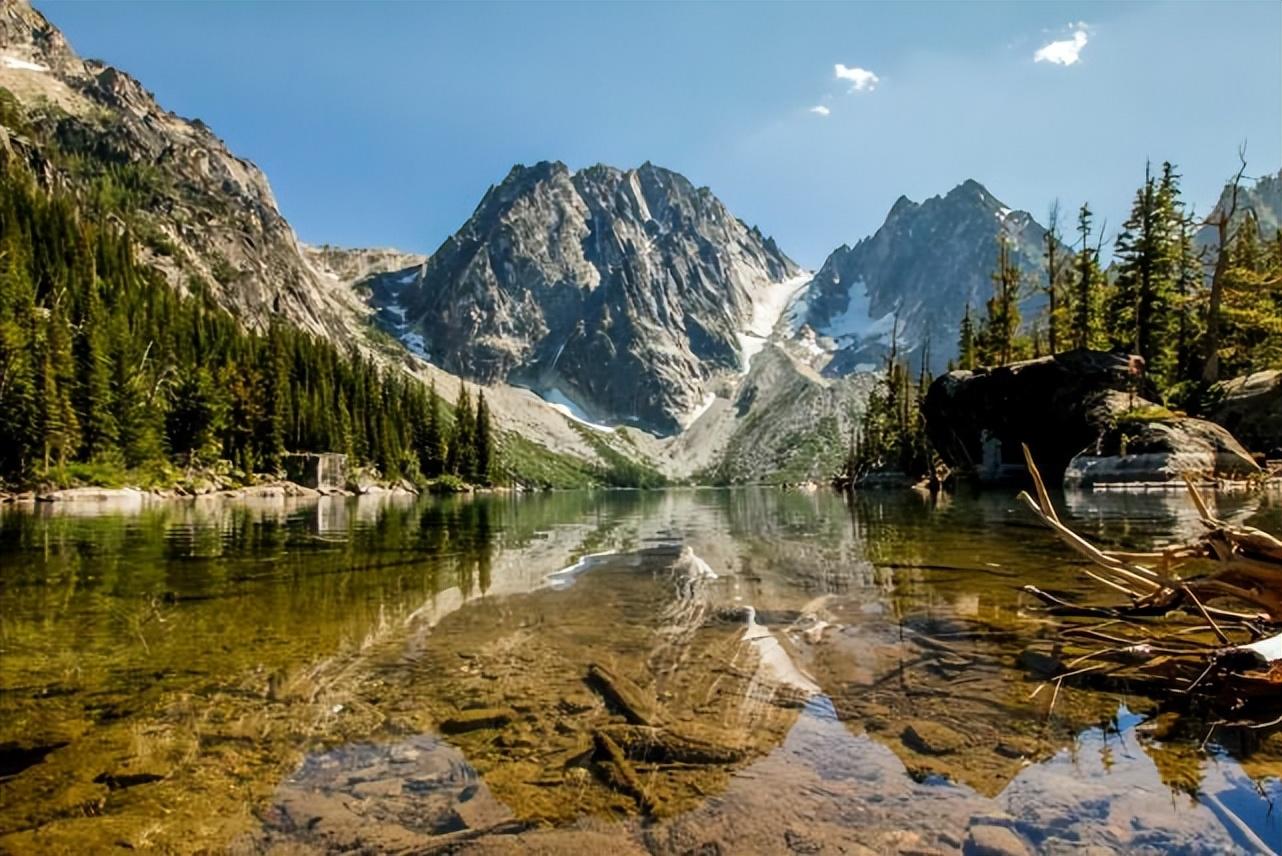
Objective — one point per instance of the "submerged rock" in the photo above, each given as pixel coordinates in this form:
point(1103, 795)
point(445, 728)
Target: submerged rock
point(932, 738)
point(994, 841)
point(1058, 405)
point(472, 720)
point(1250, 408)
point(1161, 451)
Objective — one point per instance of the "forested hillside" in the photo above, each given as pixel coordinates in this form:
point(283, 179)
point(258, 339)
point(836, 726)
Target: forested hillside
point(106, 369)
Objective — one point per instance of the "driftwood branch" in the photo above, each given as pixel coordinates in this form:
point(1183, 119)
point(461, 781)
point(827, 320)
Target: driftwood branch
point(1187, 635)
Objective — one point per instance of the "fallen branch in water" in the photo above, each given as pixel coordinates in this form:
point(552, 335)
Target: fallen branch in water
point(1216, 633)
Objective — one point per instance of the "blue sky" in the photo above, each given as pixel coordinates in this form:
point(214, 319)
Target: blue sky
point(383, 124)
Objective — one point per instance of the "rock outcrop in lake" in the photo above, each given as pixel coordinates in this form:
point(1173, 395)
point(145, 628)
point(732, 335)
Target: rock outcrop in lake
point(1161, 450)
point(1058, 405)
point(1087, 417)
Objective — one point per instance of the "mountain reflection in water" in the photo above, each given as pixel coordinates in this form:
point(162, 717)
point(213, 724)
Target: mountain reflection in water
point(747, 670)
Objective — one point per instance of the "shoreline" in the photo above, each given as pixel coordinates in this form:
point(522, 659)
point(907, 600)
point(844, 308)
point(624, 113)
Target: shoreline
point(280, 489)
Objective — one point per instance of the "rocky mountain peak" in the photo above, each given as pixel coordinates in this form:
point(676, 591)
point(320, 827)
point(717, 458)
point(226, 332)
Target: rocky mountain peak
point(914, 277)
point(621, 291)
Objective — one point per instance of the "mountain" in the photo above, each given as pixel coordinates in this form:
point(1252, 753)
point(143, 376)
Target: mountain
point(913, 279)
point(1263, 199)
point(620, 294)
point(207, 222)
point(205, 215)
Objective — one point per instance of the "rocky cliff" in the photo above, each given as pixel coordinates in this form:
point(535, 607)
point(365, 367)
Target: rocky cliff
point(205, 217)
point(925, 264)
point(622, 293)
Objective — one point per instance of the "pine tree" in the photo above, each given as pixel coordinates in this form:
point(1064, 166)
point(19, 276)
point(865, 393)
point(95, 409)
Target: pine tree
point(998, 342)
point(59, 426)
point(431, 442)
point(1141, 309)
point(1055, 310)
point(194, 415)
point(461, 459)
point(1251, 334)
point(94, 400)
point(276, 398)
point(1085, 325)
point(484, 443)
point(966, 342)
point(1189, 293)
point(18, 420)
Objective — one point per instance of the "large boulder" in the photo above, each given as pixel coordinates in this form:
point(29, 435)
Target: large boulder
point(1160, 450)
point(1250, 408)
point(1058, 405)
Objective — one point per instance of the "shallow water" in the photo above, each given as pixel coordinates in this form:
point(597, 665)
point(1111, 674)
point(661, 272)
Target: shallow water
point(298, 677)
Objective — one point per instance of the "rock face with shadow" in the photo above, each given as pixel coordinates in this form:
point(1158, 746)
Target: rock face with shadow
point(1058, 405)
point(1250, 407)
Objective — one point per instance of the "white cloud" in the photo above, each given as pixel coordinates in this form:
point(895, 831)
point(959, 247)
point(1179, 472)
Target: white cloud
point(821, 110)
point(1063, 52)
point(861, 79)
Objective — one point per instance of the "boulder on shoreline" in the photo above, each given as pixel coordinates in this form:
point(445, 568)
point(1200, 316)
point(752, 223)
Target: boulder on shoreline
point(1058, 405)
point(1161, 451)
point(1250, 408)
point(121, 496)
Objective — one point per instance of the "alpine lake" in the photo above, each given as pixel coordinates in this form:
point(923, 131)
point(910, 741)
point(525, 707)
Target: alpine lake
point(750, 670)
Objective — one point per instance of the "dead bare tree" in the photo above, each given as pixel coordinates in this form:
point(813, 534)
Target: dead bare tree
point(1215, 631)
point(1222, 219)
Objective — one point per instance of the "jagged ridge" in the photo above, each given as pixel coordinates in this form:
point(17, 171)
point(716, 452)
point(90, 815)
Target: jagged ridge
point(925, 264)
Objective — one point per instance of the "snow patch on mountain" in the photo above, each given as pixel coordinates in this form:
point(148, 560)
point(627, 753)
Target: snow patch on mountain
point(770, 303)
point(561, 403)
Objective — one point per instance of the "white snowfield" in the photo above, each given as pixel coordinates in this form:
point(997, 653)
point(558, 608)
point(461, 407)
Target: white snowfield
point(561, 403)
point(768, 305)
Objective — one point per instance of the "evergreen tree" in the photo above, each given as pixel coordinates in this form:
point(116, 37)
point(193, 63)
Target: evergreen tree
point(484, 443)
point(431, 445)
point(18, 421)
point(1142, 307)
point(1086, 327)
point(1251, 321)
point(966, 342)
point(277, 414)
point(1055, 308)
point(194, 416)
point(999, 343)
point(59, 425)
point(461, 456)
point(1189, 294)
